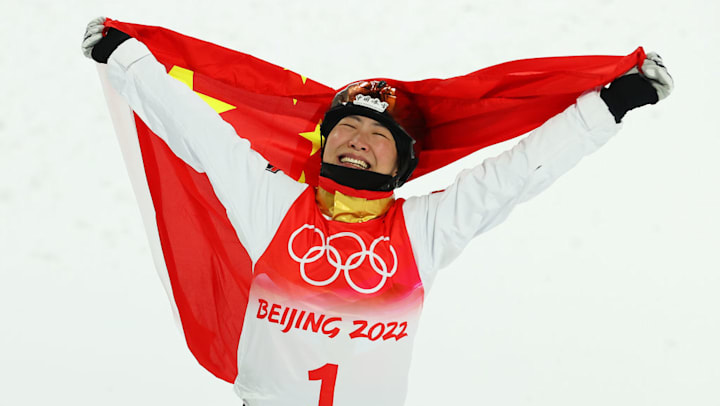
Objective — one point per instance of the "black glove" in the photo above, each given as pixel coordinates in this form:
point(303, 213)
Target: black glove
point(102, 50)
point(626, 93)
point(638, 87)
point(97, 46)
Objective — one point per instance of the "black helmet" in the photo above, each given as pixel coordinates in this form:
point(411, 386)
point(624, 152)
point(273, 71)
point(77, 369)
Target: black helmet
point(376, 100)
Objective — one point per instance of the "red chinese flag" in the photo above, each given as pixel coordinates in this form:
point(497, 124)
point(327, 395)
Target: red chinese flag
point(279, 111)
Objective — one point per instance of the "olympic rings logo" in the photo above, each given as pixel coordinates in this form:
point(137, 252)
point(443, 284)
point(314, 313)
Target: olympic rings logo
point(353, 262)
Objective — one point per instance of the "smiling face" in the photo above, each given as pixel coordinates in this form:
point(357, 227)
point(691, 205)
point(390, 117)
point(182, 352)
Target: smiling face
point(362, 143)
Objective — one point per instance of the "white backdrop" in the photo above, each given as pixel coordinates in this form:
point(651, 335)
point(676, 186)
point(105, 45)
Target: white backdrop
point(603, 290)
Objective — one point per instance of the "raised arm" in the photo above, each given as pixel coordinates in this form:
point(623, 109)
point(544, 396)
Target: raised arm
point(440, 225)
point(199, 136)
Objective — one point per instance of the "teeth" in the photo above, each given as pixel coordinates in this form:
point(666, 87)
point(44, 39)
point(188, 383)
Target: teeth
point(356, 162)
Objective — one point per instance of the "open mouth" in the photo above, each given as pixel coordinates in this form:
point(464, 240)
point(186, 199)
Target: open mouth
point(354, 162)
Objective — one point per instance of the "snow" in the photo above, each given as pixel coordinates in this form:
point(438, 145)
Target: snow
point(603, 290)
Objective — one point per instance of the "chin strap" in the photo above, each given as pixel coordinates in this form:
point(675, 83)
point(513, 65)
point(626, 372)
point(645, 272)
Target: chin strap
point(358, 178)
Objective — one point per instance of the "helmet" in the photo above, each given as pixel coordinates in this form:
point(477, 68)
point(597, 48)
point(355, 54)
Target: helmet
point(377, 100)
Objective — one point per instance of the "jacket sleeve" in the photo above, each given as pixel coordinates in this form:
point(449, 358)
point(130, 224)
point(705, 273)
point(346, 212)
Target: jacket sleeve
point(201, 138)
point(441, 224)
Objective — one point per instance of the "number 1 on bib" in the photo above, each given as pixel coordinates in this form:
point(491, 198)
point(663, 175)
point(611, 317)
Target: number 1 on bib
point(326, 374)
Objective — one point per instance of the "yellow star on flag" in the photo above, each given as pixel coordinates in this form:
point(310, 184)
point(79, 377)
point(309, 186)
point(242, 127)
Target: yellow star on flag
point(186, 76)
point(303, 78)
point(315, 138)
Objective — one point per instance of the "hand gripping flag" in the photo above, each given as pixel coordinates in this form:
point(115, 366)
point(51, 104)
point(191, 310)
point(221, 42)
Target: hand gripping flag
point(205, 269)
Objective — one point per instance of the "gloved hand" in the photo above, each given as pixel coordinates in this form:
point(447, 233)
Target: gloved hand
point(97, 46)
point(93, 34)
point(638, 87)
point(654, 71)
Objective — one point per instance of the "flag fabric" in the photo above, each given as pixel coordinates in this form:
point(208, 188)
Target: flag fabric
point(206, 270)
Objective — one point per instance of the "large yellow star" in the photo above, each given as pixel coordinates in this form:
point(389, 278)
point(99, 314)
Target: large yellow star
point(315, 138)
point(186, 76)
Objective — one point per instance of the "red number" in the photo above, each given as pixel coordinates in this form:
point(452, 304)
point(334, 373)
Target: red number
point(402, 333)
point(375, 333)
point(357, 333)
point(379, 330)
point(390, 330)
point(327, 375)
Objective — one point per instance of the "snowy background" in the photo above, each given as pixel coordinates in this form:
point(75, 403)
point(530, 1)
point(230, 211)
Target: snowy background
point(603, 290)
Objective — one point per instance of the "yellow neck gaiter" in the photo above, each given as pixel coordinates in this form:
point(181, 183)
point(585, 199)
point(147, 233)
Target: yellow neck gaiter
point(351, 209)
